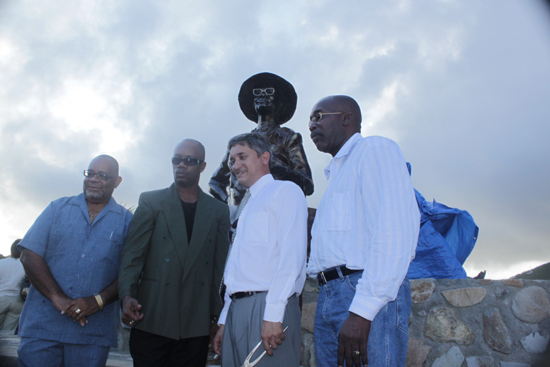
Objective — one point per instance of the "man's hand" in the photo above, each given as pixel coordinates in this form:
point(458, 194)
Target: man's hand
point(272, 335)
point(82, 308)
point(352, 341)
point(218, 340)
point(130, 311)
point(24, 292)
point(213, 331)
point(66, 304)
point(62, 302)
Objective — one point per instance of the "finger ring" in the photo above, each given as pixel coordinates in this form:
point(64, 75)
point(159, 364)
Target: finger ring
point(357, 352)
point(131, 323)
point(77, 310)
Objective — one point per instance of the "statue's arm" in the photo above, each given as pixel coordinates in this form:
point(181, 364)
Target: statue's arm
point(220, 180)
point(298, 171)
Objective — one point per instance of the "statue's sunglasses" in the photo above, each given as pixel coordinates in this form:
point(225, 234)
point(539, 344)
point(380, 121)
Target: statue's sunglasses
point(189, 162)
point(268, 91)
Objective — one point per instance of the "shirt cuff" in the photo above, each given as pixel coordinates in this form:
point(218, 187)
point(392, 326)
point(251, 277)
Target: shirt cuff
point(364, 308)
point(223, 314)
point(274, 312)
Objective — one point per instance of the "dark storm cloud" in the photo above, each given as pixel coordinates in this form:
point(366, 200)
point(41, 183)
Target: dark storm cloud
point(462, 87)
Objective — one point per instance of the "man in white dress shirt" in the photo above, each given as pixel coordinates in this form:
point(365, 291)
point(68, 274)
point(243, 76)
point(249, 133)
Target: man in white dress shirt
point(265, 270)
point(363, 239)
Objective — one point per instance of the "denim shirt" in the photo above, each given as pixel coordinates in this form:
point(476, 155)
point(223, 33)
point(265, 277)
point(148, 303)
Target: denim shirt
point(83, 259)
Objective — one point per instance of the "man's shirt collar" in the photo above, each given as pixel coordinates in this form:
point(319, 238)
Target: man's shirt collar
point(260, 184)
point(344, 151)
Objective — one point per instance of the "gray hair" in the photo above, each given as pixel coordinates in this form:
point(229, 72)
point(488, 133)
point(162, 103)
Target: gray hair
point(255, 141)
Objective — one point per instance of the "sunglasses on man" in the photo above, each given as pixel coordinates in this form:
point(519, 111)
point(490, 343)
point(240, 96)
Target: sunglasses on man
point(189, 162)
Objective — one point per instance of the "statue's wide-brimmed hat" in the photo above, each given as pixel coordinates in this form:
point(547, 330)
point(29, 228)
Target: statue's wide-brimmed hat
point(285, 96)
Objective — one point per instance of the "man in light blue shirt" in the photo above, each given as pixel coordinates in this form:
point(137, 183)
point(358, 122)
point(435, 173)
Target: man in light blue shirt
point(363, 239)
point(71, 255)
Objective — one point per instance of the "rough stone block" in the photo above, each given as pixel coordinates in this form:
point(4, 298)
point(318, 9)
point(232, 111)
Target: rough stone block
point(308, 350)
point(480, 361)
point(501, 292)
point(417, 352)
point(308, 316)
point(452, 358)
point(443, 325)
point(535, 342)
point(514, 364)
point(513, 282)
point(531, 304)
point(422, 290)
point(495, 331)
point(465, 297)
point(484, 282)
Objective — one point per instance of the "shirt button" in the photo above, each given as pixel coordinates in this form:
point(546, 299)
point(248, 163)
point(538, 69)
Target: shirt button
point(82, 256)
point(167, 259)
point(78, 276)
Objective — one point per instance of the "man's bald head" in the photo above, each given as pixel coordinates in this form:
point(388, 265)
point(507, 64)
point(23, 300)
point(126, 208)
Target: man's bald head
point(113, 163)
point(97, 190)
point(333, 120)
point(187, 173)
point(196, 146)
point(348, 105)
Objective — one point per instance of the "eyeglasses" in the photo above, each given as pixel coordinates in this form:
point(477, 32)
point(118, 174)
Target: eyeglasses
point(101, 175)
point(189, 162)
point(268, 91)
point(319, 116)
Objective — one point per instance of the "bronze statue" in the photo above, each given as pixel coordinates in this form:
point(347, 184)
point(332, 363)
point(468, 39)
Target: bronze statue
point(270, 101)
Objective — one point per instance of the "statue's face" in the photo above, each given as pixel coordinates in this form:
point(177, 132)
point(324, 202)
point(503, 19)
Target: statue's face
point(264, 100)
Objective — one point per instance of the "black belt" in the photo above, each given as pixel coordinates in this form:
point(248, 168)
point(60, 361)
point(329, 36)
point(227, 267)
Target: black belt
point(330, 274)
point(238, 295)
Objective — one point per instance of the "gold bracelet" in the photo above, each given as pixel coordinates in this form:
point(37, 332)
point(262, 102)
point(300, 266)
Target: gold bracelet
point(99, 301)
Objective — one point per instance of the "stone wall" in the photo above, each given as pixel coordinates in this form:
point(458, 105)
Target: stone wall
point(465, 323)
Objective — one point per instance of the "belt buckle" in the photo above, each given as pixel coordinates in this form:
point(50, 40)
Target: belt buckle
point(322, 278)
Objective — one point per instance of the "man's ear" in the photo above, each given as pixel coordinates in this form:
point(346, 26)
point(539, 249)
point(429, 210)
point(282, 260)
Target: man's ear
point(118, 181)
point(203, 166)
point(265, 158)
point(347, 118)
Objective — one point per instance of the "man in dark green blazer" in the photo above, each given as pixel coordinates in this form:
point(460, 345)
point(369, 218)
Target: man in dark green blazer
point(172, 266)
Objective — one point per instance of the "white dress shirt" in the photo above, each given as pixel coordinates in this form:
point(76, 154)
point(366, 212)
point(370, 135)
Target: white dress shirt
point(368, 219)
point(270, 248)
point(11, 276)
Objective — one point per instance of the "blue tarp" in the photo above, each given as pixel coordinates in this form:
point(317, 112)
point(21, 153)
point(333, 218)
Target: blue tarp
point(447, 237)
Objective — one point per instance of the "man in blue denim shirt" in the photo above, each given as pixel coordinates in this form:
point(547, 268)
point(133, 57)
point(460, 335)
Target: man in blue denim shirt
point(71, 255)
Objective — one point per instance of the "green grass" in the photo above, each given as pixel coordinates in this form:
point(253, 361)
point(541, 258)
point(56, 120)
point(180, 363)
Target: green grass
point(540, 272)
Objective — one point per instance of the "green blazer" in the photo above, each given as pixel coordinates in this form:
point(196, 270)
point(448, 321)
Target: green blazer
point(176, 282)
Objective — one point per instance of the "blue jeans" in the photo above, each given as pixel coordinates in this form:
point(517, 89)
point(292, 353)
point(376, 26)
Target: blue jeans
point(47, 353)
point(388, 337)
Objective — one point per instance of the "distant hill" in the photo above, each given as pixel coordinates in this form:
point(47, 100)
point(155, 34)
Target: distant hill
point(540, 272)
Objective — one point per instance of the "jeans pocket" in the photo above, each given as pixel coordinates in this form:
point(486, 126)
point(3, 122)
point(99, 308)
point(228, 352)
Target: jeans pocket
point(351, 283)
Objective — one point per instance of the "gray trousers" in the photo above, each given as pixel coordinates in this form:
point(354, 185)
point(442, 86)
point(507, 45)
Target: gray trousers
point(243, 331)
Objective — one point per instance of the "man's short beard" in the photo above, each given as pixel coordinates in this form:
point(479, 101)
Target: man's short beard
point(93, 195)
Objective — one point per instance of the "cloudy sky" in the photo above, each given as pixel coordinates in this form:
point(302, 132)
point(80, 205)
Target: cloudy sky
point(462, 86)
